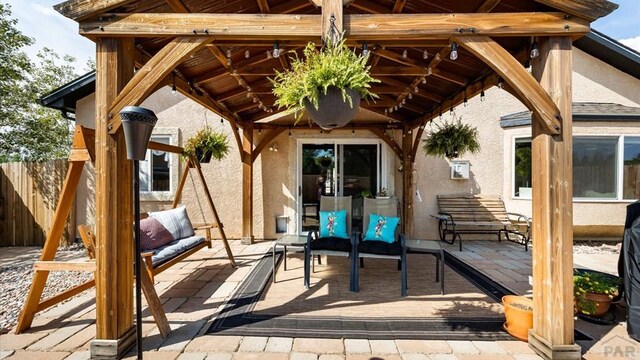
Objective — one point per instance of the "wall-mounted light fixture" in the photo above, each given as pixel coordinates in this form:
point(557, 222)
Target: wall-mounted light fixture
point(273, 147)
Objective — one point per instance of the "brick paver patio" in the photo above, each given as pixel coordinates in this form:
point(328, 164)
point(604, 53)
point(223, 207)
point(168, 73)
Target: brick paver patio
point(193, 291)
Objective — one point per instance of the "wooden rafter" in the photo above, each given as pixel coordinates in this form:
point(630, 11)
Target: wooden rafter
point(177, 6)
point(358, 27)
point(263, 5)
point(529, 90)
point(398, 6)
point(487, 6)
point(471, 90)
point(82, 9)
point(155, 70)
point(586, 9)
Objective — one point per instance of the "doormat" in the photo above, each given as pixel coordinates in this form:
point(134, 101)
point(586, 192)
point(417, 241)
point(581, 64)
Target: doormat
point(239, 316)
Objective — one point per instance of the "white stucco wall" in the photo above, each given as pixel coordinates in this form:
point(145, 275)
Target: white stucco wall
point(491, 169)
point(275, 191)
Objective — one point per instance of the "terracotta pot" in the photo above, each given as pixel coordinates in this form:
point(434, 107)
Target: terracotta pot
point(602, 301)
point(333, 111)
point(518, 311)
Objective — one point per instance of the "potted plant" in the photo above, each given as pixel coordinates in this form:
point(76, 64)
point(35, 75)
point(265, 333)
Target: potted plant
point(205, 144)
point(451, 139)
point(518, 312)
point(382, 194)
point(593, 291)
point(328, 84)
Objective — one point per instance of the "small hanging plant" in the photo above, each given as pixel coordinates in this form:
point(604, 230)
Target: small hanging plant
point(333, 70)
point(206, 144)
point(451, 139)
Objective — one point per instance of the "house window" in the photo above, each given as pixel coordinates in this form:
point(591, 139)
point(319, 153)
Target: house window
point(599, 172)
point(155, 170)
point(594, 167)
point(631, 168)
point(522, 168)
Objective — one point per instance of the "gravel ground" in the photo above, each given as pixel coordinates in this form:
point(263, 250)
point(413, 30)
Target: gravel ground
point(596, 247)
point(16, 280)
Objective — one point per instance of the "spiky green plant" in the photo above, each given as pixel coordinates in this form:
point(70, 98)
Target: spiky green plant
point(451, 139)
point(334, 65)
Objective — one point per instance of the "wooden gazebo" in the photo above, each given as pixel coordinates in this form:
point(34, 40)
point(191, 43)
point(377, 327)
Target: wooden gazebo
point(215, 52)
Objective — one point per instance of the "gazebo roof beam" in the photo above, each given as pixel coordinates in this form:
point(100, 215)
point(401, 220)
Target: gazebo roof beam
point(586, 9)
point(398, 6)
point(263, 5)
point(177, 6)
point(358, 27)
point(487, 6)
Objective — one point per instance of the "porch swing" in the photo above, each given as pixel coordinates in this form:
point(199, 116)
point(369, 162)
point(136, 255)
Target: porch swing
point(83, 150)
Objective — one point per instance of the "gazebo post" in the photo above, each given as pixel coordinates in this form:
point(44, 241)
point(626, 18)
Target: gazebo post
point(552, 336)
point(407, 169)
point(247, 184)
point(115, 333)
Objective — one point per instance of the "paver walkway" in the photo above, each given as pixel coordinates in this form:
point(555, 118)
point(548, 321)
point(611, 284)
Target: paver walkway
point(193, 291)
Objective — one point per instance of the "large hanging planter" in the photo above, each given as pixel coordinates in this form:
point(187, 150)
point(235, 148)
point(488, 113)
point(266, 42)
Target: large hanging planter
point(334, 110)
point(326, 83)
point(451, 139)
point(206, 144)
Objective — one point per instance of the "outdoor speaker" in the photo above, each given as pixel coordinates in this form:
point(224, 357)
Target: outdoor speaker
point(137, 123)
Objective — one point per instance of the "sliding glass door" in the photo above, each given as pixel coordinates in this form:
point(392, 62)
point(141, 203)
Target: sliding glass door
point(336, 168)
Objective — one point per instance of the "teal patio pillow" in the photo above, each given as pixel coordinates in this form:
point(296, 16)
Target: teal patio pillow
point(333, 224)
point(382, 228)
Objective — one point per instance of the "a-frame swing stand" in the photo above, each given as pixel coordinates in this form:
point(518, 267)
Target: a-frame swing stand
point(82, 151)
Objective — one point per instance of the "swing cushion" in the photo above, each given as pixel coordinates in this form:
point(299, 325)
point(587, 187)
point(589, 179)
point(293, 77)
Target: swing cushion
point(174, 248)
point(176, 221)
point(153, 235)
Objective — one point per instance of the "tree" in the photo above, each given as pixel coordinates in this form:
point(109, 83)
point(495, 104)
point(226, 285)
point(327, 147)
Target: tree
point(29, 131)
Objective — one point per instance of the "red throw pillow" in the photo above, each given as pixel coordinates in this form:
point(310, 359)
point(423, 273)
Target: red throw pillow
point(153, 235)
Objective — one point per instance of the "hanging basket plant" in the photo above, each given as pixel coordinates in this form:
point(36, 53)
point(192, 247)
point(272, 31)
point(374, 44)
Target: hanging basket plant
point(451, 139)
point(206, 144)
point(328, 83)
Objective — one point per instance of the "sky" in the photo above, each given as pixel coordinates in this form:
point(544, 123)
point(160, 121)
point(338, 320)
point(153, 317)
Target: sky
point(39, 20)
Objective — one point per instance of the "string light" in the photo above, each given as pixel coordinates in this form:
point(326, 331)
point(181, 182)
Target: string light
point(425, 55)
point(500, 83)
point(465, 98)
point(276, 50)
point(454, 51)
point(365, 49)
point(416, 90)
point(173, 88)
point(410, 96)
point(423, 81)
point(405, 54)
point(228, 53)
point(482, 98)
point(534, 50)
point(247, 54)
point(429, 71)
point(268, 54)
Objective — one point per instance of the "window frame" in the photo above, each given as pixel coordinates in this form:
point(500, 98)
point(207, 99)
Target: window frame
point(174, 166)
point(619, 168)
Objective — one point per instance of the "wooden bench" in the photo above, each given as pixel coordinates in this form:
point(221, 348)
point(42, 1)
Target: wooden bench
point(477, 214)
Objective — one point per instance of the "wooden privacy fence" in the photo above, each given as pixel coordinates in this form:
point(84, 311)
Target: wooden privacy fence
point(29, 194)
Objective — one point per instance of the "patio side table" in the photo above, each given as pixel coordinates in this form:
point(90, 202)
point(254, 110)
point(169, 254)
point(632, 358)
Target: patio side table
point(430, 247)
point(284, 241)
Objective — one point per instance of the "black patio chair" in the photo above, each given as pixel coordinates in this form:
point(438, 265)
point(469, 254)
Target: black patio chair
point(331, 245)
point(371, 248)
